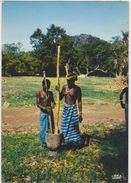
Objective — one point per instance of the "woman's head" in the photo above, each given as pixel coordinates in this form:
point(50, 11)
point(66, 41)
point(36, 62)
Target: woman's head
point(71, 78)
point(46, 82)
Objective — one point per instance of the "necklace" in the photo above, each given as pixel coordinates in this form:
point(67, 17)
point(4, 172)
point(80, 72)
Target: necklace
point(45, 94)
point(68, 90)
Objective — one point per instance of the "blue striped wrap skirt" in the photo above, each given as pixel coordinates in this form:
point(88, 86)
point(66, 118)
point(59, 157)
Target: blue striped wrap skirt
point(70, 124)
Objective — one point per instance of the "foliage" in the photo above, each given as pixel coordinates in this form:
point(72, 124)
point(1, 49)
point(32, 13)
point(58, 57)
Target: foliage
point(111, 58)
point(10, 58)
point(120, 53)
point(104, 160)
point(46, 47)
point(21, 91)
point(98, 54)
point(16, 62)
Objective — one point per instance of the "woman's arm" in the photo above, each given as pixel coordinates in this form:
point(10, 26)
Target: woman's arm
point(121, 98)
point(62, 91)
point(79, 95)
point(52, 100)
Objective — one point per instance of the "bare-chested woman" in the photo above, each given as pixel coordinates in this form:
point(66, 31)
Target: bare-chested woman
point(70, 116)
point(45, 102)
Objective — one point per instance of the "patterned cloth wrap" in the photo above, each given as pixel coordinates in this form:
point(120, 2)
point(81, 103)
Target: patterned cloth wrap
point(70, 126)
point(44, 125)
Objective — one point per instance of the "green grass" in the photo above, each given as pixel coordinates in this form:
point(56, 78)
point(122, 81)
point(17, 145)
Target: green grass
point(104, 160)
point(24, 160)
point(21, 91)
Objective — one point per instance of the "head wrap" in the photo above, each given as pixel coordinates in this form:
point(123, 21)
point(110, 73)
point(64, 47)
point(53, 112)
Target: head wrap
point(71, 76)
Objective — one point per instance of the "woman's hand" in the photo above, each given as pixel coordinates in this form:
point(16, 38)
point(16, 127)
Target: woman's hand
point(123, 105)
point(80, 118)
point(57, 87)
point(53, 105)
point(49, 109)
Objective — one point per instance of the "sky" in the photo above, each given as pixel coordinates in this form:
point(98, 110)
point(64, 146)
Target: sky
point(101, 19)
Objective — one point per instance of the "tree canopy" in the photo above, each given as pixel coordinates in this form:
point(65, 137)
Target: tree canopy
point(84, 57)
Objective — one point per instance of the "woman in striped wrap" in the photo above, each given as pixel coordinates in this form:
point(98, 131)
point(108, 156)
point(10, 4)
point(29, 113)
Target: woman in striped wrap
point(70, 116)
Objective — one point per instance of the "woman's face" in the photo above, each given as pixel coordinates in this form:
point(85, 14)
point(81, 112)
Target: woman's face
point(70, 82)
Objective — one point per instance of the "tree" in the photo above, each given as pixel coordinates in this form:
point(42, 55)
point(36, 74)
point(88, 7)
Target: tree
point(10, 53)
point(36, 39)
point(120, 53)
point(97, 55)
point(16, 62)
point(45, 47)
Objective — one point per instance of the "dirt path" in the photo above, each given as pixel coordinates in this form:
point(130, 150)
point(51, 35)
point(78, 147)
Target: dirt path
point(21, 118)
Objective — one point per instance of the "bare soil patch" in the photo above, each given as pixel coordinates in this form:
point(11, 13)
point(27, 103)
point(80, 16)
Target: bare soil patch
point(28, 118)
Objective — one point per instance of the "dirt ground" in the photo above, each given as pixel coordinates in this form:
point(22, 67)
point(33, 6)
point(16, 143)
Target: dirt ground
point(28, 118)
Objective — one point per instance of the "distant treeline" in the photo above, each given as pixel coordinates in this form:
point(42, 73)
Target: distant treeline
point(84, 54)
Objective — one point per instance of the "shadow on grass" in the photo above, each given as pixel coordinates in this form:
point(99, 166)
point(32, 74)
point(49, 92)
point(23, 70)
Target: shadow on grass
point(114, 155)
point(74, 146)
